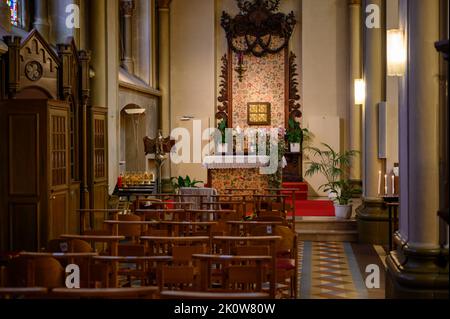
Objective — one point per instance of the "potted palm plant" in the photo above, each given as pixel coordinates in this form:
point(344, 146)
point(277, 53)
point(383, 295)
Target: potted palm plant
point(295, 136)
point(335, 167)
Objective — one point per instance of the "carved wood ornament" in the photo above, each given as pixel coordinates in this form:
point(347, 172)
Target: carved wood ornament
point(254, 31)
point(257, 28)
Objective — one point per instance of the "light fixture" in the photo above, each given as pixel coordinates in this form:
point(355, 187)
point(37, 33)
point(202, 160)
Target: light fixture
point(360, 92)
point(396, 53)
point(186, 118)
point(135, 111)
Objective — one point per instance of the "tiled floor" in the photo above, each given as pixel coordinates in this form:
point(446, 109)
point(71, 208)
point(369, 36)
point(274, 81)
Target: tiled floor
point(331, 270)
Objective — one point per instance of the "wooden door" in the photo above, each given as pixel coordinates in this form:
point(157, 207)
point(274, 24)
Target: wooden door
point(22, 158)
point(58, 170)
point(99, 158)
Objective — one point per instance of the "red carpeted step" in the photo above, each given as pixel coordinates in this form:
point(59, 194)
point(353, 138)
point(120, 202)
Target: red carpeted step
point(301, 194)
point(314, 208)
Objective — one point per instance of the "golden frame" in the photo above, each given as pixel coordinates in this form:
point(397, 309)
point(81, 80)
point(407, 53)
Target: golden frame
point(259, 113)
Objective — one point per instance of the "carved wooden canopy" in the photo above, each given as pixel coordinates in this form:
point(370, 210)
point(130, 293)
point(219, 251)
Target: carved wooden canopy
point(258, 29)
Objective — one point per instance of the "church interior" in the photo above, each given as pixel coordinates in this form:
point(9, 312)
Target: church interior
point(224, 149)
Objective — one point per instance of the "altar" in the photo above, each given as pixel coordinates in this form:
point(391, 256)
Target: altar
point(237, 172)
point(258, 91)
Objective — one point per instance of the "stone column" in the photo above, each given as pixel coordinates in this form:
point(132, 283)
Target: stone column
point(355, 73)
point(127, 8)
point(164, 73)
point(98, 52)
point(419, 269)
point(372, 217)
point(40, 22)
point(59, 32)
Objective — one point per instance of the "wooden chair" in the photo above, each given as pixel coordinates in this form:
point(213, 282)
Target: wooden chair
point(92, 224)
point(146, 270)
point(244, 228)
point(229, 245)
point(106, 293)
point(162, 214)
point(237, 206)
point(232, 273)
point(286, 254)
point(162, 246)
point(291, 192)
point(187, 228)
point(23, 293)
point(202, 295)
point(270, 205)
point(183, 273)
point(35, 272)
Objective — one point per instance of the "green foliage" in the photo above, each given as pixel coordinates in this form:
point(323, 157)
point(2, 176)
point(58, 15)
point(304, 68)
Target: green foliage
point(295, 134)
point(275, 180)
point(222, 128)
point(184, 182)
point(336, 169)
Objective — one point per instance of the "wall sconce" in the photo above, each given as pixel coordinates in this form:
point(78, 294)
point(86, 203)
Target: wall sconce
point(240, 68)
point(396, 53)
point(360, 92)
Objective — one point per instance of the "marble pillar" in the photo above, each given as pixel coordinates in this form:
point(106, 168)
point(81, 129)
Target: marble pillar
point(127, 8)
point(40, 22)
point(419, 268)
point(371, 215)
point(164, 73)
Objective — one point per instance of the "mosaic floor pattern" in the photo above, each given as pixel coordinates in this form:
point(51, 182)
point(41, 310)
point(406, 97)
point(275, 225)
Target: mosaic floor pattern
point(332, 270)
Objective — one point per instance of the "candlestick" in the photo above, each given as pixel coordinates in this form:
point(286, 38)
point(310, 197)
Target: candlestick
point(379, 183)
point(393, 184)
point(385, 184)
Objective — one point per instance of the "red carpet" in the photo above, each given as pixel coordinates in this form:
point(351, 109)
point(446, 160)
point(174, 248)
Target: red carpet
point(314, 208)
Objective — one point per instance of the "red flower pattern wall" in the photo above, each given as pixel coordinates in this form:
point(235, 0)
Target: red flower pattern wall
point(263, 81)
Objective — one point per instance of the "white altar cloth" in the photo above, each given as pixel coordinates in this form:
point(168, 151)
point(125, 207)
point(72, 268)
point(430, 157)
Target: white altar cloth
point(236, 161)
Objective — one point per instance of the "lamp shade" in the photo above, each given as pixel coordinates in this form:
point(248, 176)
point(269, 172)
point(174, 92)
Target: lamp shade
point(360, 91)
point(396, 53)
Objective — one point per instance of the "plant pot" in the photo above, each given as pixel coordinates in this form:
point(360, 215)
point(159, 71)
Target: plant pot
point(222, 148)
point(295, 147)
point(343, 211)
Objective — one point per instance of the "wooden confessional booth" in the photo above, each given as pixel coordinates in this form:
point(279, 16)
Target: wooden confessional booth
point(53, 144)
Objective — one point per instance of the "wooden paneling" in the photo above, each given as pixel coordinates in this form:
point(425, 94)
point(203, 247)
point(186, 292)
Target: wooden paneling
point(98, 172)
point(35, 183)
point(74, 220)
point(58, 214)
point(23, 226)
point(23, 154)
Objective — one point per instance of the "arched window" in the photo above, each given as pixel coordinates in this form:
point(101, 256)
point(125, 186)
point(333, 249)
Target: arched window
point(15, 12)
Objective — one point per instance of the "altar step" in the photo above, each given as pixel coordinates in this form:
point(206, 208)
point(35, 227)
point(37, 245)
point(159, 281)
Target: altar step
point(326, 229)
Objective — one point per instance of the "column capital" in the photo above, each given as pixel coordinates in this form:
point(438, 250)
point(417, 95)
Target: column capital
point(164, 4)
point(127, 7)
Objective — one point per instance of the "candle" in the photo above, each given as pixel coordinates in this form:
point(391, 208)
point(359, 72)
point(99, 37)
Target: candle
point(393, 184)
point(379, 183)
point(385, 184)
